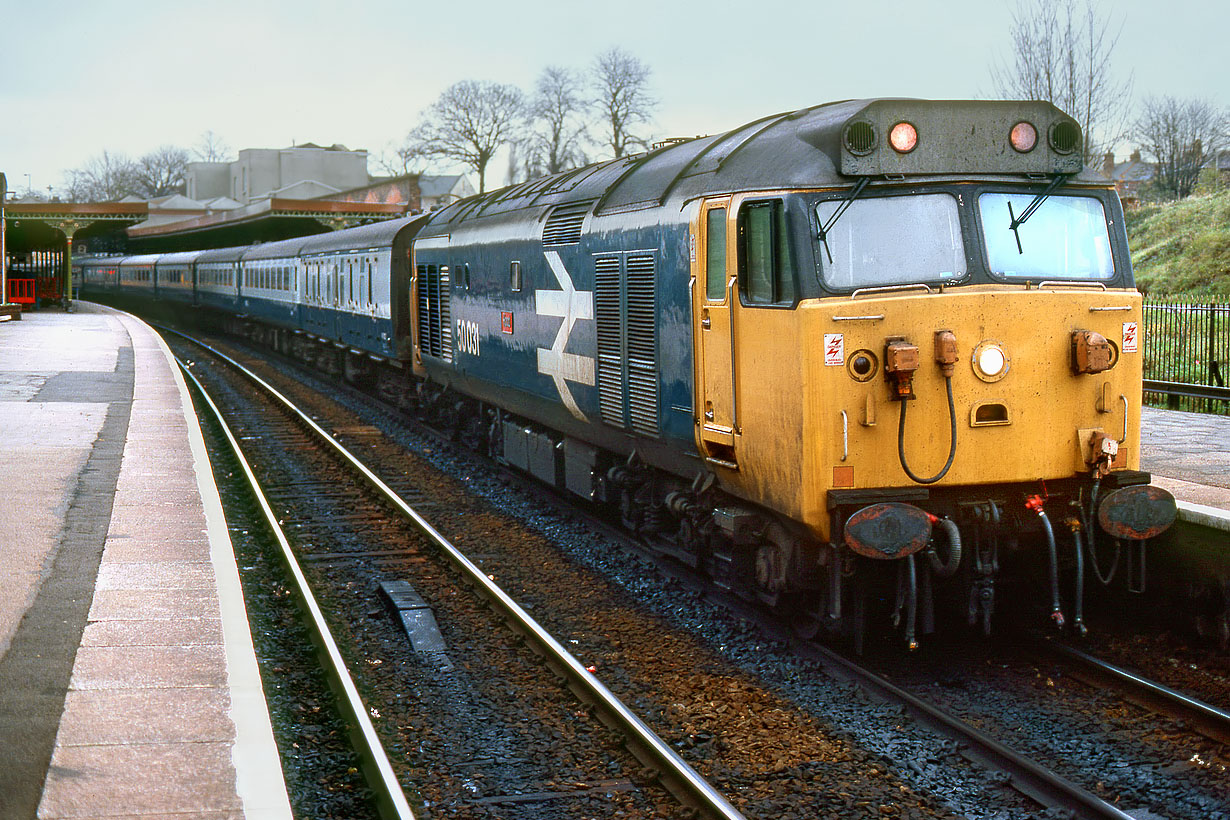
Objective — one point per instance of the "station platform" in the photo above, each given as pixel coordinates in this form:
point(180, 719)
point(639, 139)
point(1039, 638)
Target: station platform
point(128, 682)
point(1188, 454)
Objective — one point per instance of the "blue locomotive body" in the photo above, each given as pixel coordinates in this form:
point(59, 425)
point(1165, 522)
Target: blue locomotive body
point(586, 330)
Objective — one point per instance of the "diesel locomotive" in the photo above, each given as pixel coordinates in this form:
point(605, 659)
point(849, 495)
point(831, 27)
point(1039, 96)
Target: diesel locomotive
point(845, 360)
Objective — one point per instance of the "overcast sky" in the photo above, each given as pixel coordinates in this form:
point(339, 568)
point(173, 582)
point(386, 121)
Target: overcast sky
point(81, 76)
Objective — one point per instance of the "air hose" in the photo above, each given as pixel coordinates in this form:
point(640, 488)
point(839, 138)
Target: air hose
point(1090, 522)
point(952, 438)
point(939, 567)
point(1056, 610)
point(1078, 620)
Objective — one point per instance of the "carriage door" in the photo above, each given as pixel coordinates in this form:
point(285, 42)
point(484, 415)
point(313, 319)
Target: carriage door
point(712, 301)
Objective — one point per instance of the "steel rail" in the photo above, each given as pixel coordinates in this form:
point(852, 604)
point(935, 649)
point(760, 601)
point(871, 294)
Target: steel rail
point(390, 799)
point(1208, 720)
point(672, 771)
point(1027, 776)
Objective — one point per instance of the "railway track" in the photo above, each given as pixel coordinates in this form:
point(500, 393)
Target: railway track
point(1208, 720)
point(705, 736)
point(667, 768)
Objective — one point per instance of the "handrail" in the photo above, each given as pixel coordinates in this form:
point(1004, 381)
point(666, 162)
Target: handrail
point(1065, 283)
point(891, 288)
point(1191, 391)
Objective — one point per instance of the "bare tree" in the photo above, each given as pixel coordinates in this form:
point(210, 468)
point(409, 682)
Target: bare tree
point(162, 172)
point(620, 97)
point(469, 123)
point(399, 160)
point(1182, 136)
point(102, 178)
point(557, 134)
point(211, 148)
point(522, 164)
point(1061, 54)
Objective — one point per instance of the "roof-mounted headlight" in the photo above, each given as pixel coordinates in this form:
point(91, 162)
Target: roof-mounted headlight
point(903, 138)
point(1023, 137)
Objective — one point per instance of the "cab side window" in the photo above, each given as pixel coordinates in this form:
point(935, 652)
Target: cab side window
point(766, 274)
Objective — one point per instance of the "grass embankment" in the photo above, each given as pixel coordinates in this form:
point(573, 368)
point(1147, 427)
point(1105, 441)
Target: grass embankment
point(1182, 248)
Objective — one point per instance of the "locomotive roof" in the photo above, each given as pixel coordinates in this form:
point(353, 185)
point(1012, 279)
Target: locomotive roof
point(798, 149)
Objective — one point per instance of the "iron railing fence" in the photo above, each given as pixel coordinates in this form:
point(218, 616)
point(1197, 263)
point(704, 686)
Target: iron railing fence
point(1187, 354)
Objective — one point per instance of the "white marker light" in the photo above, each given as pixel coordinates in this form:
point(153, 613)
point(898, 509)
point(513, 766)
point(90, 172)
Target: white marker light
point(991, 361)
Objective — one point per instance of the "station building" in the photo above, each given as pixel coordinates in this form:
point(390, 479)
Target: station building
point(263, 196)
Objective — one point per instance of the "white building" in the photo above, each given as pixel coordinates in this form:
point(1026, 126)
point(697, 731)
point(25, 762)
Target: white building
point(301, 172)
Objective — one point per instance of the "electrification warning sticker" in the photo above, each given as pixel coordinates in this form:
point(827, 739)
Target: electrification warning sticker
point(1130, 337)
point(834, 349)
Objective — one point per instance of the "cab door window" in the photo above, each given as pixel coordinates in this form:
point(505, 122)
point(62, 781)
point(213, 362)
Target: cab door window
point(766, 275)
point(715, 255)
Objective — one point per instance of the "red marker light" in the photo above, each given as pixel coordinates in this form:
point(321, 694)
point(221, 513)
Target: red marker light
point(903, 138)
point(1023, 137)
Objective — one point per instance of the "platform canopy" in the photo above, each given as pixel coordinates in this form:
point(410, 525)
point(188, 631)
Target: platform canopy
point(267, 220)
point(54, 226)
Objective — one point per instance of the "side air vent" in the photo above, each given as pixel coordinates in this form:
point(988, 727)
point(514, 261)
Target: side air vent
point(435, 323)
point(625, 298)
point(642, 345)
point(564, 224)
point(610, 349)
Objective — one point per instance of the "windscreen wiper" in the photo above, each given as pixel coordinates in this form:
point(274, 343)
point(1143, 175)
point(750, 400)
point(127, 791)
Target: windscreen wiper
point(1017, 222)
point(841, 209)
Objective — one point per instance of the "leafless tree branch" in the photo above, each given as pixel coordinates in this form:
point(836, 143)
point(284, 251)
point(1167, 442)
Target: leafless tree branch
point(469, 123)
point(1061, 53)
point(620, 96)
point(1182, 136)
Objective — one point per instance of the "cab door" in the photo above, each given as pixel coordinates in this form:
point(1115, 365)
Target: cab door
point(712, 301)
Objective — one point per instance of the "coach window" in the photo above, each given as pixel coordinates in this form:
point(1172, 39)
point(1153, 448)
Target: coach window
point(766, 275)
point(514, 276)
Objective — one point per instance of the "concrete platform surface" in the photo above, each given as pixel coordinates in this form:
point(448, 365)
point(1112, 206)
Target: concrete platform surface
point(128, 682)
point(1188, 454)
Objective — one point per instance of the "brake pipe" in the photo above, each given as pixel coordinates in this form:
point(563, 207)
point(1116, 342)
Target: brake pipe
point(911, 603)
point(1078, 605)
point(1035, 503)
point(1091, 541)
point(939, 567)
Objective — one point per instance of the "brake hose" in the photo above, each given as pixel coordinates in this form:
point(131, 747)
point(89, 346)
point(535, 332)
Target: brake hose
point(952, 438)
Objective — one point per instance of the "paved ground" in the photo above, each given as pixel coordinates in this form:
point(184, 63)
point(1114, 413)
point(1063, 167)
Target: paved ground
point(128, 684)
point(1188, 454)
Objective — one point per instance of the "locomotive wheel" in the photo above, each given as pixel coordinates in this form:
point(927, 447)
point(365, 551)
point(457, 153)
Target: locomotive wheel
point(809, 613)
